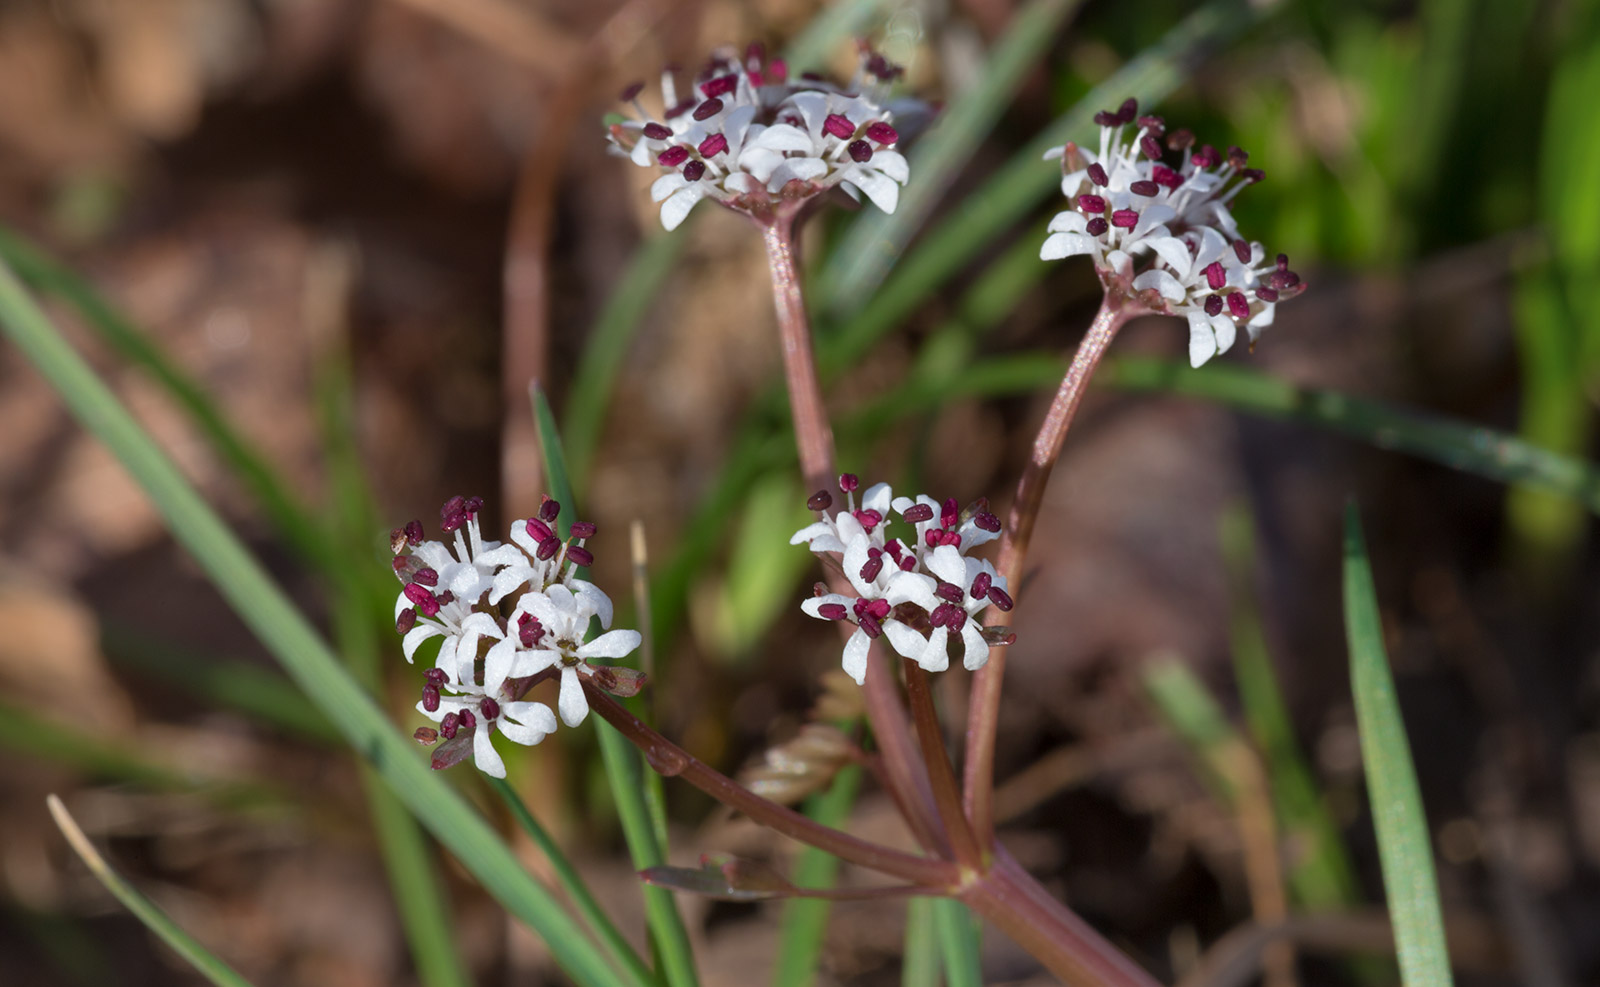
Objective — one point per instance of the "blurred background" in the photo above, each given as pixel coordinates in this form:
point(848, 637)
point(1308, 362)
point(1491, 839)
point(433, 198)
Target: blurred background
point(359, 226)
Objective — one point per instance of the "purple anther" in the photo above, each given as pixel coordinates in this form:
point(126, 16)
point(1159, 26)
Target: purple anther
point(678, 110)
point(848, 482)
point(986, 521)
point(907, 563)
point(455, 505)
point(1283, 278)
point(406, 620)
point(918, 513)
point(882, 132)
point(1165, 177)
point(1098, 226)
point(468, 719)
point(1151, 147)
point(435, 677)
point(529, 630)
point(548, 509)
point(1128, 110)
point(426, 576)
point(584, 529)
point(1105, 118)
point(869, 519)
point(980, 585)
point(629, 94)
point(672, 157)
point(713, 146)
point(1181, 139)
point(933, 538)
point(656, 131)
point(430, 698)
point(877, 608)
point(1266, 294)
point(860, 151)
point(1154, 124)
point(1097, 174)
point(579, 555)
point(722, 85)
point(833, 611)
point(949, 592)
point(755, 53)
point(839, 126)
point(1237, 156)
point(778, 69)
point(1146, 188)
point(1000, 598)
point(870, 624)
point(894, 549)
point(694, 171)
point(1216, 277)
point(1125, 219)
point(1241, 250)
point(950, 512)
point(548, 548)
point(1213, 304)
point(490, 708)
point(423, 599)
point(446, 597)
point(1238, 305)
point(449, 725)
point(1092, 204)
point(1206, 157)
point(819, 501)
point(473, 505)
point(1252, 175)
point(708, 109)
point(537, 529)
point(413, 532)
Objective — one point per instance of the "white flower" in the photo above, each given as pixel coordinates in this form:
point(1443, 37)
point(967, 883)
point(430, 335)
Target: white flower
point(749, 135)
point(556, 623)
point(481, 716)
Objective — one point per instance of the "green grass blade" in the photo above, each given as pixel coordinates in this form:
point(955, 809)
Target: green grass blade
point(282, 509)
point(623, 771)
point(1404, 846)
point(285, 632)
point(1027, 180)
point(920, 967)
point(805, 920)
point(958, 940)
point(858, 265)
point(145, 910)
point(622, 952)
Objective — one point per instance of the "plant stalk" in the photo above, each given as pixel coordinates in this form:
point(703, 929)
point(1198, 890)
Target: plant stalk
point(946, 792)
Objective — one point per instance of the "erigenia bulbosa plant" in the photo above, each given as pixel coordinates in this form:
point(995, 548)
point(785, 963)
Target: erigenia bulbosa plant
point(907, 579)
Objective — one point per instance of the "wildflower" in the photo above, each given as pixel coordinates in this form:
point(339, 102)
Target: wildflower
point(471, 718)
point(751, 137)
point(552, 625)
point(1160, 230)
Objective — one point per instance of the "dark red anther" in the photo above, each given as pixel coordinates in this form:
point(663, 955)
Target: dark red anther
point(631, 93)
point(1105, 118)
point(1098, 226)
point(980, 585)
point(708, 109)
point(894, 549)
point(656, 132)
point(839, 126)
point(672, 157)
point(426, 576)
point(1165, 177)
point(986, 521)
point(468, 719)
point(413, 532)
point(449, 725)
point(833, 611)
point(949, 592)
point(1125, 219)
point(1241, 250)
point(869, 519)
point(918, 513)
point(867, 622)
point(720, 86)
point(584, 529)
point(1216, 277)
point(755, 53)
point(1206, 157)
point(426, 736)
point(548, 548)
point(1213, 304)
point(473, 505)
point(1154, 124)
point(406, 620)
point(1238, 305)
point(1237, 156)
point(548, 509)
point(423, 599)
point(951, 538)
point(1145, 187)
point(489, 708)
point(1151, 147)
point(950, 512)
point(446, 597)
point(871, 569)
point(860, 151)
point(1000, 598)
point(430, 698)
point(1128, 110)
point(849, 482)
point(1092, 203)
point(713, 146)
point(877, 608)
point(694, 171)
point(1283, 278)
point(435, 677)
point(882, 132)
point(579, 555)
point(1252, 175)
point(819, 501)
point(1266, 294)
point(908, 563)
point(537, 529)
point(678, 110)
point(1181, 139)
point(455, 505)
point(1097, 174)
point(778, 69)
point(933, 537)
point(529, 630)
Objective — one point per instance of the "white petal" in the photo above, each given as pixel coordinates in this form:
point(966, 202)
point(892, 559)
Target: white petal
point(484, 754)
point(1162, 281)
point(507, 580)
point(1202, 340)
point(612, 644)
point(855, 656)
point(796, 169)
point(1069, 221)
point(562, 600)
point(783, 137)
point(906, 641)
point(416, 635)
point(540, 660)
point(883, 191)
point(526, 723)
point(972, 536)
point(571, 702)
point(946, 563)
point(849, 529)
point(676, 209)
point(936, 656)
point(893, 164)
point(497, 665)
point(855, 556)
point(877, 498)
point(1175, 252)
point(592, 600)
point(813, 606)
point(1224, 328)
point(1059, 245)
point(435, 555)
point(911, 587)
point(660, 189)
point(500, 555)
point(815, 530)
point(1153, 215)
point(976, 654)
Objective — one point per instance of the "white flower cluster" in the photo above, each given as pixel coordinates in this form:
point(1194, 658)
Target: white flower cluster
point(917, 595)
point(1164, 234)
point(488, 655)
point(747, 135)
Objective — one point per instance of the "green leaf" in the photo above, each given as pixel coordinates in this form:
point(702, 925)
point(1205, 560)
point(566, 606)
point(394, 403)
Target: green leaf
point(805, 921)
point(145, 910)
point(921, 965)
point(958, 939)
point(286, 633)
point(1404, 847)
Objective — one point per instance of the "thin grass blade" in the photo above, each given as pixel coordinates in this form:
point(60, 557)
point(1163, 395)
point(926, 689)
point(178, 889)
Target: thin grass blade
point(805, 920)
point(921, 966)
point(958, 941)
